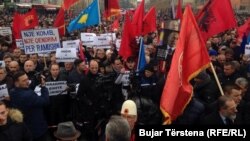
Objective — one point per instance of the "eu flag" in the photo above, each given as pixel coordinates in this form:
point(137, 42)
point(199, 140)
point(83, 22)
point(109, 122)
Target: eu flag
point(88, 17)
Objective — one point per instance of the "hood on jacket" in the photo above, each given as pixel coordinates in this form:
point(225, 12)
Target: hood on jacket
point(15, 115)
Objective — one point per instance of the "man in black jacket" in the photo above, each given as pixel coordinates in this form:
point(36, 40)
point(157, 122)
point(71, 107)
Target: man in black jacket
point(12, 127)
point(224, 114)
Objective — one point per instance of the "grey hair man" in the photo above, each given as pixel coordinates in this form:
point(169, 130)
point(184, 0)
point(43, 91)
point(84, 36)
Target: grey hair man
point(117, 129)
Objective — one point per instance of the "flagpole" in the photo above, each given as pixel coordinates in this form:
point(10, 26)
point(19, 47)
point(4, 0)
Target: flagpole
point(216, 78)
point(45, 63)
point(98, 4)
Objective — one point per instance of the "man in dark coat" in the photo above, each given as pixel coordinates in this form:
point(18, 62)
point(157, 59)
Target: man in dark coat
point(91, 107)
point(12, 127)
point(58, 109)
point(29, 69)
point(31, 105)
point(229, 74)
point(77, 74)
point(225, 113)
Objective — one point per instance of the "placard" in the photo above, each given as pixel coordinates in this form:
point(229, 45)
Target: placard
point(109, 36)
point(4, 31)
point(19, 44)
point(40, 40)
point(118, 44)
point(247, 49)
point(2, 64)
point(88, 39)
point(162, 52)
point(71, 44)
point(66, 54)
point(101, 42)
point(56, 87)
point(3, 91)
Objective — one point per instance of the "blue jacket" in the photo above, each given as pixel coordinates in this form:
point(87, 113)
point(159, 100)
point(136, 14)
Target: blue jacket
point(32, 107)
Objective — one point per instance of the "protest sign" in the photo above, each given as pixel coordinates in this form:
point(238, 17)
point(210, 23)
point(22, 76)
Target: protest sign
point(101, 42)
point(56, 87)
point(109, 36)
point(4, 31)
point(118, 44)
point(247, 49)
point(41, 40)
point(71, 44)
point(2, 64)
point(162, 52)
point(88, 39)
point(66, 54)
point(19, 44)
point(3, 91)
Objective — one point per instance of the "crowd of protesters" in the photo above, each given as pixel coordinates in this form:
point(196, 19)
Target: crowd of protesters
point(105, 81)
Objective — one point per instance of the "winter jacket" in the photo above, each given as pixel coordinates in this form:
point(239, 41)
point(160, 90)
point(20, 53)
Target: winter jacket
point(15, 129)
point(32, 107)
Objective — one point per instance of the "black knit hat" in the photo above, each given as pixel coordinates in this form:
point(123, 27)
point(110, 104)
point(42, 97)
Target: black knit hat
point(149, 68)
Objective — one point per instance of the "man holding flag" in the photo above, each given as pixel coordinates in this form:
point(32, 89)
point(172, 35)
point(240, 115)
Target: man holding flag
point(189, 59)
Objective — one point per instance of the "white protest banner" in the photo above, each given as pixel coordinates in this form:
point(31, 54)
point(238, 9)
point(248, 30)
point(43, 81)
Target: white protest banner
point(2, 64)
point(88, 39)
point(56, 87)
point(66, 54)
point(118, 44)
point(4, 31)
point(71, 44)
point(247, 49)
point(40, 40)
point(19, 44)
point(110, 36)
point(101, 42)
point(3, 91)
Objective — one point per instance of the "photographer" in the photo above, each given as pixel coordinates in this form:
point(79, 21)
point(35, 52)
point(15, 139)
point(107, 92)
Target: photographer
point(31, 105)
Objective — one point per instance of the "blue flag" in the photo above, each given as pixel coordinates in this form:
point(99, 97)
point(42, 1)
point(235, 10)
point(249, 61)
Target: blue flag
point(245, 41)
point(248, 38)
point(88, 17)
point(141, 60)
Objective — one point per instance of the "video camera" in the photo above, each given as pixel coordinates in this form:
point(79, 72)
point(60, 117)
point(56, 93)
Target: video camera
point(38, 75)
point(105, 81)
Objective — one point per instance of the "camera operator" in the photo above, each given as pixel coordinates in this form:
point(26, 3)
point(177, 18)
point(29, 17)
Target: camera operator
point(125, 76)
point(118, 97)
point(58, 107)
point(31, 105)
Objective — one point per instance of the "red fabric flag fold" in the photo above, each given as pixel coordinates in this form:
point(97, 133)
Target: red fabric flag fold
point(149, 21)
point(127, 36)
point(68, 3)
point(244, 29)
point(115, 24)
point(59, 22)
point(179, 10)
point(137, 21)
point(216, 16)
point(189, 59)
